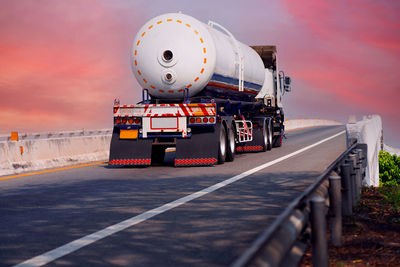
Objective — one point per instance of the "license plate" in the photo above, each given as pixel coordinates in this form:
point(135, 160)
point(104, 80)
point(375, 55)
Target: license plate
point(128, 134)
point(164, 123)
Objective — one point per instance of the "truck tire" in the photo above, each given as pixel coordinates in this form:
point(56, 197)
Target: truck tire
point(230, 153)
point(269, 134)
point(222, 145)
point(277, 141)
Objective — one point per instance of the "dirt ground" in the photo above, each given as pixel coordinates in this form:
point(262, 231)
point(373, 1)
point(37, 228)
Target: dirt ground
point(371, 237)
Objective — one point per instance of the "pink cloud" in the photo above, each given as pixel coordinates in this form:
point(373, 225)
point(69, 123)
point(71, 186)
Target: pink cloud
point(63, 64)
point(345, 55)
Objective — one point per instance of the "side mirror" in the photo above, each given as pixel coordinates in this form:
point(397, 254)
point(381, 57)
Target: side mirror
point(287, 86)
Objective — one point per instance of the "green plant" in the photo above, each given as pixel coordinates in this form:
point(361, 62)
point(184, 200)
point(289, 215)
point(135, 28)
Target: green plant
point(392, 196)
point(389, 169)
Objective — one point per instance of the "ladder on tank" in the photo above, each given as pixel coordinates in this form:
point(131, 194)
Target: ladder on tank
point(239, 61)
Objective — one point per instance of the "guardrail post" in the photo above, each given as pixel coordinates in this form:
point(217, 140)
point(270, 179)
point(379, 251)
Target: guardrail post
point(357, 175)
point(360, 164)
point(351, 161)
point(336, 209)
point(318, 232)
point(347, 208)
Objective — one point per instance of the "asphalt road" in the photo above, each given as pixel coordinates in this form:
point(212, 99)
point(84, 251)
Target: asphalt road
point(42, 212)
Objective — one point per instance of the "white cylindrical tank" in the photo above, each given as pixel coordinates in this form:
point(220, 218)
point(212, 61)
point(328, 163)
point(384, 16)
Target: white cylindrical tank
point(175, 51)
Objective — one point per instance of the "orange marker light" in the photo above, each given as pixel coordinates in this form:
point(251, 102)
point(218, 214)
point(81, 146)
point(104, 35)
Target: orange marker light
point(198, 120)
point(211, 119)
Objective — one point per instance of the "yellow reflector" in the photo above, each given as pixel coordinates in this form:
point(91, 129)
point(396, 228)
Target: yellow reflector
point(128, 134)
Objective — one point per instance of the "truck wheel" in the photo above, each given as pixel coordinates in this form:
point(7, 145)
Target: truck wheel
point(269, 134)
point(277, 141)
point(230, 153)
point(222, 145)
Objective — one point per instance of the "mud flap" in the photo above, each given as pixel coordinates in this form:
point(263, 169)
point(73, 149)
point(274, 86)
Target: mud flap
point(199, 150)
point(256, 145)
point(129, 152)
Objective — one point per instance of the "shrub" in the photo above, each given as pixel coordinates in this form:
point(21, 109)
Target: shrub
point(389, 169)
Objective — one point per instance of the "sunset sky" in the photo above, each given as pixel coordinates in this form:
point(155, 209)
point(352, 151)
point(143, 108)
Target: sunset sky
point(62, 63)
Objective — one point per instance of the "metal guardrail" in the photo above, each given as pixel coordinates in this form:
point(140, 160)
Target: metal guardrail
point(335, 192)
point(59, 134)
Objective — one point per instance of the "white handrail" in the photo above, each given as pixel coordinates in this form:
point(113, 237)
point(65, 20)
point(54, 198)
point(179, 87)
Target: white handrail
point(57, 134)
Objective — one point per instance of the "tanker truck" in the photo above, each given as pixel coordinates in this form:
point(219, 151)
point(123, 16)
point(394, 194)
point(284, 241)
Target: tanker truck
point(204, 93)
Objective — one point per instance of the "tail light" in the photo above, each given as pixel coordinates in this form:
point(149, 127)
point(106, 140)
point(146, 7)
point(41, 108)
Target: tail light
point(201, 120)
point(131, 121)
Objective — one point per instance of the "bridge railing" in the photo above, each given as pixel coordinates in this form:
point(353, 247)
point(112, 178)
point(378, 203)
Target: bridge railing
point(334, 193)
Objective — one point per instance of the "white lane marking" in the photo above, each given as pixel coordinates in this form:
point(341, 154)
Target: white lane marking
point(89, 239)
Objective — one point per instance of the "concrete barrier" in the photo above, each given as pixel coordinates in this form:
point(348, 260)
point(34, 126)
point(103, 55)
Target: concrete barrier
point(298, 124)
point(368, 131)
point(31, 155)
point(38, 151)
point(391, 150)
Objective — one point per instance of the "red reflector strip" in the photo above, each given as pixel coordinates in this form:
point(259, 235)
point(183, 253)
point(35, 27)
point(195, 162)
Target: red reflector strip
point(248, 148)
point(122, 162)
point(195, 161)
